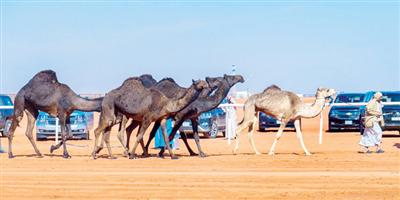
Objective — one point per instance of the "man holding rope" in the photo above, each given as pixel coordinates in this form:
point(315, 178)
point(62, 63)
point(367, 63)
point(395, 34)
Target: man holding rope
point(372, 135)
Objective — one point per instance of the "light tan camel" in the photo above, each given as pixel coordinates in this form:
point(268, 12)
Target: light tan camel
point(284, 106)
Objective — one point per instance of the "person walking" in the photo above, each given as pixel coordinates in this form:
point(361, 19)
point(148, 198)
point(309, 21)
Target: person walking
point(230, 119)
point(372, 135)
point(159, 139)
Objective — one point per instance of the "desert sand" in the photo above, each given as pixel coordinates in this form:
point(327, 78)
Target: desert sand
point(334, 171)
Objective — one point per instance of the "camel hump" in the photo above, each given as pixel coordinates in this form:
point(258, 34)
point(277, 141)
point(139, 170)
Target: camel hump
point(272, 88)
point(168, 79)
point(46, 76)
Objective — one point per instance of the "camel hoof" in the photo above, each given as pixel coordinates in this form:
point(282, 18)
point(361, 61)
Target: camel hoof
point(145, 154)
point(174, 157)
point(52, 148)
point(10, 155)
point(133, 156)
point(202, 155)
point(271, 153)
point(308, 154)
point(66, 156)
point(39, 155)
point(126, 154)
point(193, 154)
point(160, 155)
point(258, 153)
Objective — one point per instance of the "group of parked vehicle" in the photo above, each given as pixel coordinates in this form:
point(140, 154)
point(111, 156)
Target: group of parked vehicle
point(346, 113)
point(350, 111)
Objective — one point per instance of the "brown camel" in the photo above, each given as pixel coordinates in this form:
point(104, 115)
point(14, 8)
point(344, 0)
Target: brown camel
point(171, 90)
point(284, 106)
point(44, 92)
point(205, 102)
point(143, 105)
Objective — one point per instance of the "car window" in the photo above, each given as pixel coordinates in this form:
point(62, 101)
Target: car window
point(391, 97)
point(5, 101)
point(353, 98)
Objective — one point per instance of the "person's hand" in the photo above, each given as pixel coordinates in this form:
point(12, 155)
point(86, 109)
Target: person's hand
point(382, 123)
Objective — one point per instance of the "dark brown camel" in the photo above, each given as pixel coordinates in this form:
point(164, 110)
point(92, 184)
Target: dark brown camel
point(143, 105)
point(171, 90)
point(205, 102)
point(44, 92)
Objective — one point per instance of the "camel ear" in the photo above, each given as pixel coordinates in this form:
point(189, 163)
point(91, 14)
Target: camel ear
point(193, 81)
point(225, 75)
point(319, 89)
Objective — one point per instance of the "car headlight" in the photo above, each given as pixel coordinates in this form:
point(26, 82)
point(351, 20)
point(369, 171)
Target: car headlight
point(333, 113)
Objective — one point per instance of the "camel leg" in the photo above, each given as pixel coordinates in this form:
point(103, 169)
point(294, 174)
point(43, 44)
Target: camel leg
point(106, 136)
point(121, 135)
point(142, 129)
point(196, 137)
point(250, 135)
point(16, 118)
point(32, 115)
point(178, 124)
point(300, 136)
point(166, 139)
point(64, 134)
point(151, 136)
point(244, 125)
point(184, 138)
point(278, 136)
point(102, 126)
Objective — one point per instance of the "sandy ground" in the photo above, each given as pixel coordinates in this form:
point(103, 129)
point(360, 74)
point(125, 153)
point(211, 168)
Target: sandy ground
point(334, 171)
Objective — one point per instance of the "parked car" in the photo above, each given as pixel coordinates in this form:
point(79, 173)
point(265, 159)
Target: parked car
point(391, 113)
point(81, 123)
point(210, 123)
point(5, 113)
point(266, 121)
point(347, 116)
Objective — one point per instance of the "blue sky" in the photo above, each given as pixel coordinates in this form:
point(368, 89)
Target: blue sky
point(94, 46)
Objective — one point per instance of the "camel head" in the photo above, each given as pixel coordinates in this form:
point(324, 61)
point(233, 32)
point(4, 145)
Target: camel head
point(325, 93)
point(213, 82)
point(233, 79)
point(200, 84)
point(147, 80)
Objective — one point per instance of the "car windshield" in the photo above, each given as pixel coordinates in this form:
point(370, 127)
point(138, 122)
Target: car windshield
point(391, 97)
point(349, 98)
point(5, 101)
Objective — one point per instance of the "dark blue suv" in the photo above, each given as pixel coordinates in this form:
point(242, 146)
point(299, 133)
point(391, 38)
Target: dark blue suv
point(266, 121)
point(391, 113)
point(5, 113)
point(210, 123)
point(343, 117)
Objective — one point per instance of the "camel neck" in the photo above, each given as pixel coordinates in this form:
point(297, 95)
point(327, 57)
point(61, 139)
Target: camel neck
point(87, 105)
point(180, 103)
point(220, 94)
point(310, 111)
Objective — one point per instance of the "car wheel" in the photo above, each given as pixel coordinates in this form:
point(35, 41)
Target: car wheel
point(214, 129)
point(39, 138)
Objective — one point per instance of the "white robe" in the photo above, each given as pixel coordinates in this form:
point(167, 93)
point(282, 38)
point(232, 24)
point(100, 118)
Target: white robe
point(230, 122)
point(372, 136)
